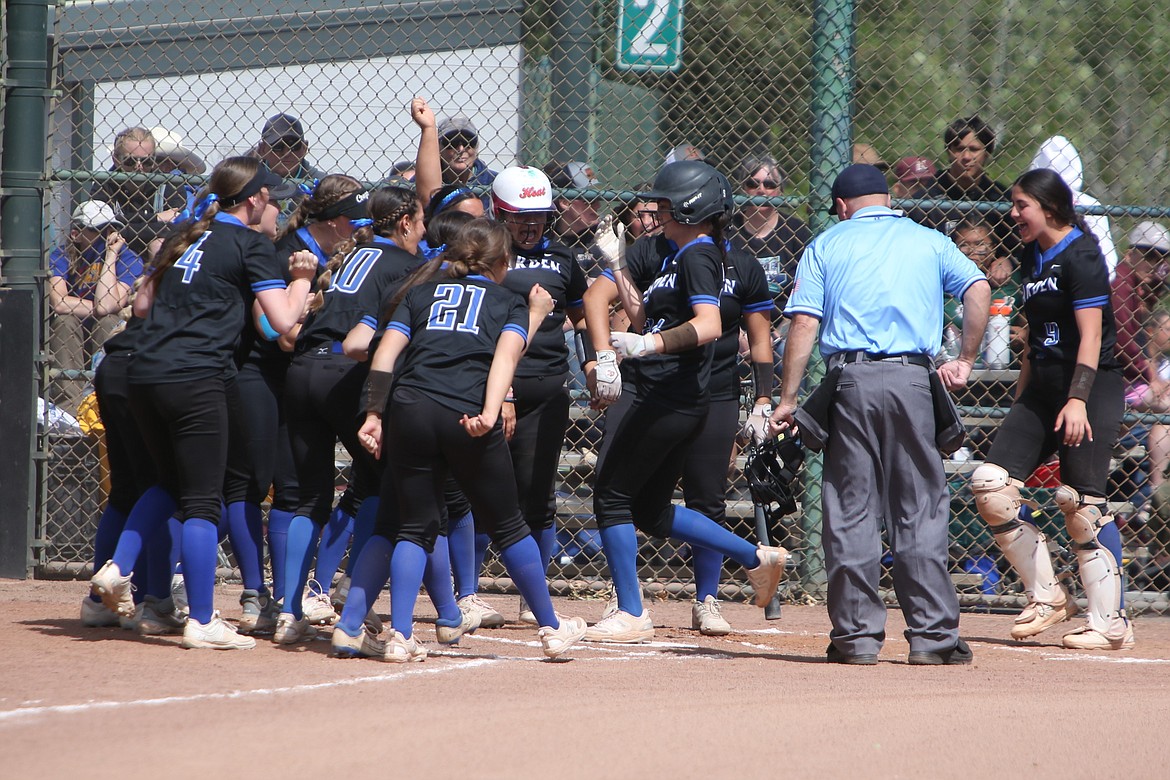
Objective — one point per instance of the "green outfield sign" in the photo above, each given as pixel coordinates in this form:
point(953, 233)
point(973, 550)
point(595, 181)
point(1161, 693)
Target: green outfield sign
point(649, 35)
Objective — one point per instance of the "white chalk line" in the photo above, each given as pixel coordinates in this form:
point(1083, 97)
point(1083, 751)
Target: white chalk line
point(69, 709)
point(1072, 656)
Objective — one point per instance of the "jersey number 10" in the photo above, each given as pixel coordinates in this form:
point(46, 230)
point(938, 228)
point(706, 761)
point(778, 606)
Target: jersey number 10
point(448, 301)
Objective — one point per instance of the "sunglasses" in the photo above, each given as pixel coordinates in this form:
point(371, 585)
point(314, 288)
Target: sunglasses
point(141, 163)
point(767, 184)
point(457, 140)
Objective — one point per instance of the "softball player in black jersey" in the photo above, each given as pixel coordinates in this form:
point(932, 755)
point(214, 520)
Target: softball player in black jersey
point(744, 302)
point(323, 220)
point(536, 413)
point(680, 309)
point(1069, 400)
point(195, 302)
point(324, 383)
point(460, 338)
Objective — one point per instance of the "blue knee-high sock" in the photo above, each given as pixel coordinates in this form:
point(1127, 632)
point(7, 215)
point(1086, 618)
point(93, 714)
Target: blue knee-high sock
point(697, 529)
point(176, 528)
point(481, 545)
point(246, 534)
point(708, 569)
point(278, 522)
point(151, 511)
point(200, 556)
point(334, 539)
point(526, 568)
point(461, 543)
point(1109, 537)
point(437, 581)
point(302, 544)
point(363, 528)
point(105, 539)
point(546, 540)
point(407, 565)
point(620, 545)
point(370, 572)
point(157, 555)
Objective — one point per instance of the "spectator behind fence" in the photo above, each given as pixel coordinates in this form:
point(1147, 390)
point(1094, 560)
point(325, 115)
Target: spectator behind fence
point(459, 153)
point(773, 237)
point(913, 177)
point(868, 155)
point(1138, 288)
point(140, 204)
point(577, 215)
point(284, 149)
point(1154, 574)
point(974, 239)
point(970, 142)
point(1058, 154)
point(638, 216)
point(684, 151)
point(90, 277)
point(172, 155)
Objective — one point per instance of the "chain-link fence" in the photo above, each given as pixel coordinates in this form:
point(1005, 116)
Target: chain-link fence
point(954, 100)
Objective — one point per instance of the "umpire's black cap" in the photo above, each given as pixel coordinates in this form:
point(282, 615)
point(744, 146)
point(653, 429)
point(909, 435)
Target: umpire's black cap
point(857, 180)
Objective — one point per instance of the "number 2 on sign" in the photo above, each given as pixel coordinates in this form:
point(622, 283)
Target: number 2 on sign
point(641, 46)
point(189, 262)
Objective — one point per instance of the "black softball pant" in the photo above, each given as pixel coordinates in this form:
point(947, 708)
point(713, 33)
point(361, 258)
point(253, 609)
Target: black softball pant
point(705, 470)
point(263, 448)
point(542, 415)
point(642, 465)
point(423, 442)
point(132, 469)
point(185, 427)
point(322, 399)
point(1025, 438)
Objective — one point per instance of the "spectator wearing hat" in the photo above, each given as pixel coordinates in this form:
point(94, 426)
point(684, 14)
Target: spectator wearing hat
point(913, 177)
point(970, 142)
point(684, 151)
point(872, 286)
point(141, 204)
point(765, 232)
point(577, 213)
point(172, 155)
point(90, 277)
point(1139, 287)
point(459, 155)
point(284, 149)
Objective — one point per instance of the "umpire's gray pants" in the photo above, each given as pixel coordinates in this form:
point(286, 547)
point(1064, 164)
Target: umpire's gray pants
point(881, 465)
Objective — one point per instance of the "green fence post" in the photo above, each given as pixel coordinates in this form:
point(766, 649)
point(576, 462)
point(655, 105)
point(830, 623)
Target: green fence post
point(22, 188)
point(571, 60)
point(832, 128)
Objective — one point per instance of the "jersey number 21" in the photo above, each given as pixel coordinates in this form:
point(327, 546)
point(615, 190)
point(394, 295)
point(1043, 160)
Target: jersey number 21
point(444, 313)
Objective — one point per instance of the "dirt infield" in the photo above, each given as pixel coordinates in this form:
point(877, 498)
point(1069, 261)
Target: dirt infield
point(759, 703)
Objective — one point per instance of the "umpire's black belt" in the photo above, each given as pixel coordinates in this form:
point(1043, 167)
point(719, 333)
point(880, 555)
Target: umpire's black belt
point(860, 356)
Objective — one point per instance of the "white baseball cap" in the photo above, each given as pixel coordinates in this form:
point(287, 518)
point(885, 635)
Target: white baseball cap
point(1150, 235)
point(95, 215)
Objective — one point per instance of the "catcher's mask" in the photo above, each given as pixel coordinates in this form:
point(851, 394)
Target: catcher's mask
point(771, 470)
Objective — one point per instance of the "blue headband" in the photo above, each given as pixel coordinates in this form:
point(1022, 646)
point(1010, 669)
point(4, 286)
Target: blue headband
point(451, 197)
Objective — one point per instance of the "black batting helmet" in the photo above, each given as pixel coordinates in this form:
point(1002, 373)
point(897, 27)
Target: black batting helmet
point(696, 191)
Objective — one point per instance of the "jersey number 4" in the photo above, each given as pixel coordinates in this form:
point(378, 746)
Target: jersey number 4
point(189, 261)
point(448, 301)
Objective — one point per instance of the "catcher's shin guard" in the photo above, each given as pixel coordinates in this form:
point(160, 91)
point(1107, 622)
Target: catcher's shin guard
point(997, 496)
point(1100, 570)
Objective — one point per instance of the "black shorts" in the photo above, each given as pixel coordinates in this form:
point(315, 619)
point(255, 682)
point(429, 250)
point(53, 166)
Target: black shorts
point(1026, 438)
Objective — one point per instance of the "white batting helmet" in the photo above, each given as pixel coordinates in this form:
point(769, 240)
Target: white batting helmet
point(522, 188)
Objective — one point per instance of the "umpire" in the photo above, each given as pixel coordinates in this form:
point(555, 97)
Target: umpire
point(874, 285)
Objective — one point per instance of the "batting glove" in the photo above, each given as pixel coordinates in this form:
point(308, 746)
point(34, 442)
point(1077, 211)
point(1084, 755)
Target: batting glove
point(609, 379)
point(757, 423)
point(632, 345)
point(611, 242)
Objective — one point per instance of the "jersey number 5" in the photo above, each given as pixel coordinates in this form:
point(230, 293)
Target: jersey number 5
point(445, 310)
point(189, 261)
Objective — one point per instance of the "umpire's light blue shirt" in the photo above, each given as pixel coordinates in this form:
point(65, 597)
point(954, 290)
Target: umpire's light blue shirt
point(876, 283)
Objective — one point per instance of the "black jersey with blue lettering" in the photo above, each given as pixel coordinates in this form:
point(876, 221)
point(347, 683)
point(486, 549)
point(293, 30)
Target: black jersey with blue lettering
point(453, 325)
point(644, 259)
point(202, 302)
point(745, 290)
point(357, 292)
point(555, 268)
point(690, 276)
point(1071, 275)
point(254, 347)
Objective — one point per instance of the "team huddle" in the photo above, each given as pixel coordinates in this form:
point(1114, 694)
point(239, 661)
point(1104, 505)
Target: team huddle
point(430, 341)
